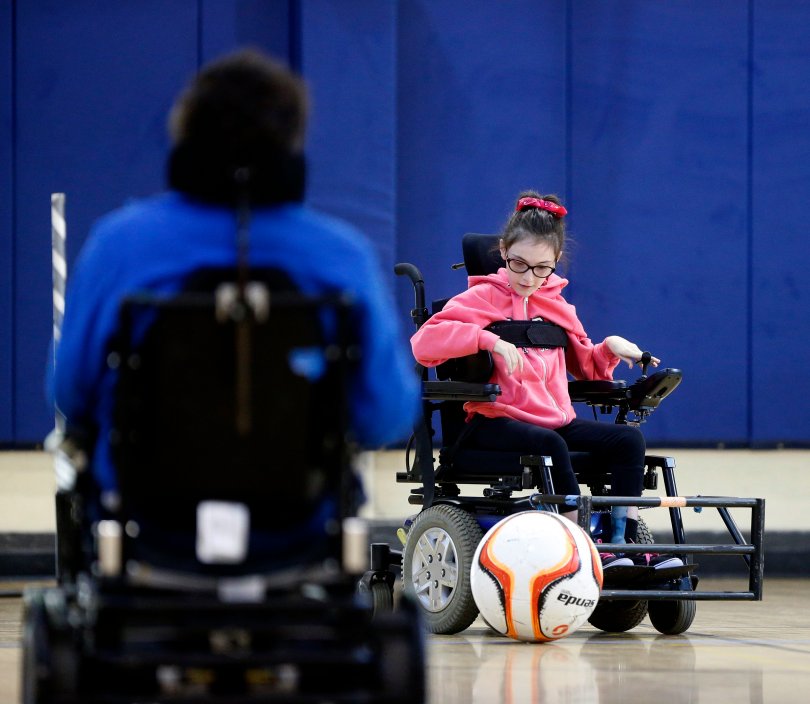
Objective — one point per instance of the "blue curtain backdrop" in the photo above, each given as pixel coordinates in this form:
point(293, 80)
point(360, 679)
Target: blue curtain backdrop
point(676, 133)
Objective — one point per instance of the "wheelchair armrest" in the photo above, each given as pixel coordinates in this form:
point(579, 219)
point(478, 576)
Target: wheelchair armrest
point(474, 368)
point(646, 394)
point(598, 392)
point(459, 391)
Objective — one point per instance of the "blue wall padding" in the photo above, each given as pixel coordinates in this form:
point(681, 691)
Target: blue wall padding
point(481, 93)
point(223, 26)
point(348, 56)
point(780, 248)
point(6, 224)
point(658, 198)
point(676, 132)
point(94, 84)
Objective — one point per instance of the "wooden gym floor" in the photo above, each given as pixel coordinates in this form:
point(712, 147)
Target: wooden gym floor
point(735, 653)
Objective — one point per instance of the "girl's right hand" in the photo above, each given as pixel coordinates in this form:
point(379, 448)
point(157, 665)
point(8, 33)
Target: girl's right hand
point(512, 355)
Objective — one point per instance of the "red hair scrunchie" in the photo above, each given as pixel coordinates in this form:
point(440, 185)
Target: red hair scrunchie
point(557, 211)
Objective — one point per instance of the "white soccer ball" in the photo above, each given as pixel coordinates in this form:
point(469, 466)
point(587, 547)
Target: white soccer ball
point(536, 576)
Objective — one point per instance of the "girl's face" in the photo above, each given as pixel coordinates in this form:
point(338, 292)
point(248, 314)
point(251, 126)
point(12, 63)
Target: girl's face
point(536, 257)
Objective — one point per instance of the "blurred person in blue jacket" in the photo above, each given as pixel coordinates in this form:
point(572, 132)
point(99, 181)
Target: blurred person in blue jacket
point(242, 111)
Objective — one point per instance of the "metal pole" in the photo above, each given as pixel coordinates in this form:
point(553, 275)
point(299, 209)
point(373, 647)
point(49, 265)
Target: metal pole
point(59, 276)
point(66, 554)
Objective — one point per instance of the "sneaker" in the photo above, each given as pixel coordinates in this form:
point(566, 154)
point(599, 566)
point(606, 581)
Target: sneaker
point(610, 560)
point(653, 559)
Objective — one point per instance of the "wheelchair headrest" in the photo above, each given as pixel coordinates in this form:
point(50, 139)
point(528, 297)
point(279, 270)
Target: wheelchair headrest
point(481, 256)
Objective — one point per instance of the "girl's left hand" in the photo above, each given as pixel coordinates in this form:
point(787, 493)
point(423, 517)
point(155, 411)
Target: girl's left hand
point(627, 351)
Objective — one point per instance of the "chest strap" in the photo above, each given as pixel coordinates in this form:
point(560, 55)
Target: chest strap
point(530, 333)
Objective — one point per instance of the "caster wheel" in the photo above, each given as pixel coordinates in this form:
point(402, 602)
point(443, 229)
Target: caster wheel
point(49, 661)
point(620, 616)
point(672, 617)
point(382, 598)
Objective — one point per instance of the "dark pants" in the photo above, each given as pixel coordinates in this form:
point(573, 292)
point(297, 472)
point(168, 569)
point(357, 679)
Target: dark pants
point(619, 449)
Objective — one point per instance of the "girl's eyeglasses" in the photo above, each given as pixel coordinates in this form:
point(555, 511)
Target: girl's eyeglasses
point(541, 271)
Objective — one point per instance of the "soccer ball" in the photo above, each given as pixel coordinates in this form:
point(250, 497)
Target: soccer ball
point(536, 576)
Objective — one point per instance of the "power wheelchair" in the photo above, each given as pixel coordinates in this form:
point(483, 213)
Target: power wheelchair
point(220, 570)
point(439, 541)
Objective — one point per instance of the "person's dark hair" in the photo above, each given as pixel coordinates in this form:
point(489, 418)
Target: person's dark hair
point(539, 224)
point(242, 113)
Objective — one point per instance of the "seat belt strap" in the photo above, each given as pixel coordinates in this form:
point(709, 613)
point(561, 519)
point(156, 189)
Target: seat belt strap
point(530, 333)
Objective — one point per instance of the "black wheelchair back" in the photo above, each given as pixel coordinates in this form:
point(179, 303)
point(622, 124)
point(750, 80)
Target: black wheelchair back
point(217, 570)
point(455, 522)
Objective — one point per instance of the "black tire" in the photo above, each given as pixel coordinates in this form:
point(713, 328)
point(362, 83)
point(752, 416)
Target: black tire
point(35, 684)
point(382, 598)
point(672, 617)
point(50, 661)
point(401, 656)
point(620, 616)
point(441, 539)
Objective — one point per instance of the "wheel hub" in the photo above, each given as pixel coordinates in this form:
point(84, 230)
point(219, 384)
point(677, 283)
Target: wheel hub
point(434, 569)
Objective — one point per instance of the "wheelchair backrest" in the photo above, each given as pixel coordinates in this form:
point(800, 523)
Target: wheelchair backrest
point(481, 255)
point(214, 402)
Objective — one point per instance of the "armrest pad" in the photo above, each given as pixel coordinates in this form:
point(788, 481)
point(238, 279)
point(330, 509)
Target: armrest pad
point(474, 368)
point(459, 391)
point(607, 392)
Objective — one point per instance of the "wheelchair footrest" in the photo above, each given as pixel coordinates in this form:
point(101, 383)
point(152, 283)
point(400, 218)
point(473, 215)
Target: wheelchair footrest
point(641, 575)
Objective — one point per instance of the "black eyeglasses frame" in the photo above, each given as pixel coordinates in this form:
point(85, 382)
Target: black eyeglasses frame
point(521, 263)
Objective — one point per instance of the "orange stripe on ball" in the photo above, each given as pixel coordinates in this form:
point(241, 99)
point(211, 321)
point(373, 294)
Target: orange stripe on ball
point(568, 565)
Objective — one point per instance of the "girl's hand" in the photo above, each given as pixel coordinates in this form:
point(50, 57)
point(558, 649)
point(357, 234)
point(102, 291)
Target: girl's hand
point(627, 351)
point(512, 355)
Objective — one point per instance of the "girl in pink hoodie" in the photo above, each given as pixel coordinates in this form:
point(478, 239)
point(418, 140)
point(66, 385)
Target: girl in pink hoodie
point(534, 412)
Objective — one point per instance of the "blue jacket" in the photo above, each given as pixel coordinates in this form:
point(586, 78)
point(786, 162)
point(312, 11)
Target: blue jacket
point(153, 243)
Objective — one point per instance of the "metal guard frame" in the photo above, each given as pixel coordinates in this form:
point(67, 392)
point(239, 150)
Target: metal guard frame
point(752, 553)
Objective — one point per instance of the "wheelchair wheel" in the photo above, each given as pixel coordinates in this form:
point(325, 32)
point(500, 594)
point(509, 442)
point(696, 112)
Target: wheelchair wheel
point(35, 684)
point(49, 662)
point(620, 616)
point(672, 617)
point(402, 656)
point(436, 567)
point(382, 598)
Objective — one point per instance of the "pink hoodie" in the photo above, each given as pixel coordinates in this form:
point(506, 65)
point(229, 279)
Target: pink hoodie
point(539, 393)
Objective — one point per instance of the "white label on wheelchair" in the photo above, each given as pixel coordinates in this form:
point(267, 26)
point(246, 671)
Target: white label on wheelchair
point(222, 532)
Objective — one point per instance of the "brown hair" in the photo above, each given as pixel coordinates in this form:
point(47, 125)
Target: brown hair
point(535, 223)
point(238, 131)
point(245, 99)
